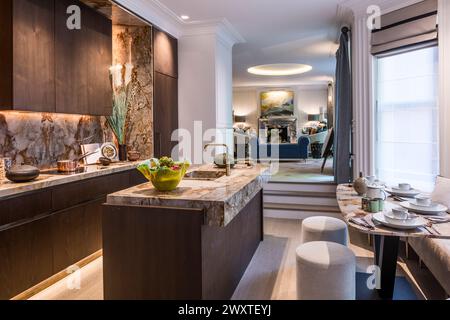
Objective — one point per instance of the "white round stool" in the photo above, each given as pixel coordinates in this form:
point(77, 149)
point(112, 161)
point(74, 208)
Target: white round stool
point(324, 229)
point(325, 271)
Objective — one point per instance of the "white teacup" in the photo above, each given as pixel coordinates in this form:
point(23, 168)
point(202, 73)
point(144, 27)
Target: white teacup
point(423, 200)
point(404, 186)
point(371, 179)
point(400, 213)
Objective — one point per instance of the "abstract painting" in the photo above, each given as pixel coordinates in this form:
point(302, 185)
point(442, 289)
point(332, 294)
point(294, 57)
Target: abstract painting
point(277, 103)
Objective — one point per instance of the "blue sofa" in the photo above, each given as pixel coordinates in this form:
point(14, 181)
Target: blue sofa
point(286, 151)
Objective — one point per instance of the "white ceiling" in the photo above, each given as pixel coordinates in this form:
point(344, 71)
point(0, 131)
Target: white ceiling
point(276, 31)
point(280, 31)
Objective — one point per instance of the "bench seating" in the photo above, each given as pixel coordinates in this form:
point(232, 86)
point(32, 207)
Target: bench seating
point(435, 253)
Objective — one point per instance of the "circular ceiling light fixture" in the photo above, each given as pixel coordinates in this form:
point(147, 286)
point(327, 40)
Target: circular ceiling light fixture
point(184, 17)
point(280, 69)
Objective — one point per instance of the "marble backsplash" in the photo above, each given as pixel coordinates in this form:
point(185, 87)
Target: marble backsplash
point(41, 139)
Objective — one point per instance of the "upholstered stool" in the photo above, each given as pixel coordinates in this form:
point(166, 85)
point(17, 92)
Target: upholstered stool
point(325, 271)
point(324, 229)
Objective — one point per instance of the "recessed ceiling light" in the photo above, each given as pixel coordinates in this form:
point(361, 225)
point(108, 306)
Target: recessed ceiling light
point(184, 17)
point(280, 69)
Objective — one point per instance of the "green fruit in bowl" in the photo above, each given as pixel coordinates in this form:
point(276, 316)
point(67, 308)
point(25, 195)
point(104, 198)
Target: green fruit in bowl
point(165, 174)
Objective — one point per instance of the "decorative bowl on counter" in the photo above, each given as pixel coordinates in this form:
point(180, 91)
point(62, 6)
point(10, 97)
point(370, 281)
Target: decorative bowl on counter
point(23, 173)
point(165, 174)
point(133, 155)
point(220, 160)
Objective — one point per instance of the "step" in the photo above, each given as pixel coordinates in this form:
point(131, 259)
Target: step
point(310, 194)
point(301, 207)
point(300, 187)
point(298, 214)
point(315, 200)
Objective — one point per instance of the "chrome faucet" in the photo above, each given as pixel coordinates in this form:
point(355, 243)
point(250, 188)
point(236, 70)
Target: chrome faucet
point(227, 162)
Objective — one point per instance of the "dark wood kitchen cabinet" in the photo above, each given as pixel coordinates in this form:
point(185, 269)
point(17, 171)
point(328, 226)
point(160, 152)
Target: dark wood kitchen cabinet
point(165, 49)
point(165, 104)
point(165, 113)
point(76, 233)
point(27, 52)
point(82, 61)
point(44, 232)
point(48, 68)
point(26, 256)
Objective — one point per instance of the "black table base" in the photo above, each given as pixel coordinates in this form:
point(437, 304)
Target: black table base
point(386, 254)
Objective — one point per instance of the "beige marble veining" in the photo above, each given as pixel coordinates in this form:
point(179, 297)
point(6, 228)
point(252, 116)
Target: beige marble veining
point(10, 189)
point(133, 44)
point(222, 199)
point(350, 205)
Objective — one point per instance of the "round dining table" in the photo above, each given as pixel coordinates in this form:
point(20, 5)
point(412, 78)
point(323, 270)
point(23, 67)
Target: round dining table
point(386, 239)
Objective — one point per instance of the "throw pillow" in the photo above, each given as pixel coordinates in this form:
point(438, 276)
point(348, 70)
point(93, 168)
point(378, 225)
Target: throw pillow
point(441, 193)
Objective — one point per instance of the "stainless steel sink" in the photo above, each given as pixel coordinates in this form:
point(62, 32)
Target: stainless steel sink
point(204, 175)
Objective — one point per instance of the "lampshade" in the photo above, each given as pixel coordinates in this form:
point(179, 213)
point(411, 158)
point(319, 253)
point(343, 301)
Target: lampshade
point(313, 117)
point(240, 119)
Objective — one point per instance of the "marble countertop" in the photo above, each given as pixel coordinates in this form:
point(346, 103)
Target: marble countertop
point(222, 199)
point(351, 207)
point(47, 179)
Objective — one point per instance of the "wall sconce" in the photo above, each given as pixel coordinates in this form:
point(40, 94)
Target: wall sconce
point(330, 93)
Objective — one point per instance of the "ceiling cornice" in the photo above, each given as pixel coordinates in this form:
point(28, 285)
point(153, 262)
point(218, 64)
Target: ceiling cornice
point(156, 13)
point(164, 18)
point(218, 27)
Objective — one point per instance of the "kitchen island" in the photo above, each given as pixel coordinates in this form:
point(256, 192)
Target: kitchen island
point(192, 243)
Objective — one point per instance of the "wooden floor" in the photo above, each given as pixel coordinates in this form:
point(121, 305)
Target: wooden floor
point(270, 275)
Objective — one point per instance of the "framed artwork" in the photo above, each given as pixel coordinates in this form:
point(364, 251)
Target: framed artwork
point(277, 103)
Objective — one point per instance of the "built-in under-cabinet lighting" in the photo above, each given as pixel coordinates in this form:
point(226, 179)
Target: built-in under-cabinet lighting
point(184, 17)
point(280, 69)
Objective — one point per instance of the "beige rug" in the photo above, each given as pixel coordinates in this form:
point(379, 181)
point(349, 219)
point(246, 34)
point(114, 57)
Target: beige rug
point(305, 172)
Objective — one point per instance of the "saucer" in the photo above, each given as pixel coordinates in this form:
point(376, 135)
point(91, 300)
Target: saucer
point(434, 209)
point(411, 193)
point(400, 224)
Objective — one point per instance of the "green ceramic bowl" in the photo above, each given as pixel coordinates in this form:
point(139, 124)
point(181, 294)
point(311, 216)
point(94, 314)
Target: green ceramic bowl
point(163, 178)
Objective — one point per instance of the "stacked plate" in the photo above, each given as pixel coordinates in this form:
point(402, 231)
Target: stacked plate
point(411, 193)
point(432, 208)
point(388, 219)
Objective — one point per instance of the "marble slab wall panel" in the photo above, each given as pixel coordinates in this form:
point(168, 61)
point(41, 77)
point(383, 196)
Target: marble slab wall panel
point(133, 44)
point(41, 139)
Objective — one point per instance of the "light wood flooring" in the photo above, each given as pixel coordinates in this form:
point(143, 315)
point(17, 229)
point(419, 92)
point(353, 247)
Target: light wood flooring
point(270, 275)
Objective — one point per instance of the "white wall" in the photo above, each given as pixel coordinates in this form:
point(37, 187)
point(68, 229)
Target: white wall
point(308, 100)
point(245, 103)
point(197, 82)
point(205, 86)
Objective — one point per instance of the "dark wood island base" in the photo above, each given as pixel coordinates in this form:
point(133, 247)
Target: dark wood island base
point(169, 253)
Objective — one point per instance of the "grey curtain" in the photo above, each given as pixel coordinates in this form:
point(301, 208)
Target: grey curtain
point(343, 129)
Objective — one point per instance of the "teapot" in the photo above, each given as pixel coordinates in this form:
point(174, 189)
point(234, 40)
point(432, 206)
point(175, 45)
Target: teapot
point(360, 185)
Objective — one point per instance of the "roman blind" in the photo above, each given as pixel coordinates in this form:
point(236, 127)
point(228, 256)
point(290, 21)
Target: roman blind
point(407, 27)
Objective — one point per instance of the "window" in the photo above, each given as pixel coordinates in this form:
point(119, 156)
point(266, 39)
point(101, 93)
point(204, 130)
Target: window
point(407, 148)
